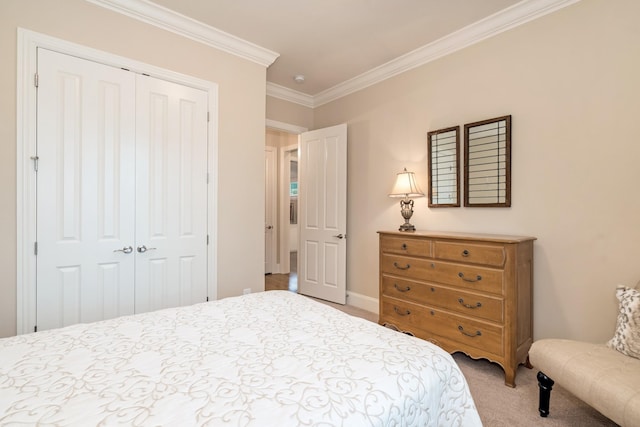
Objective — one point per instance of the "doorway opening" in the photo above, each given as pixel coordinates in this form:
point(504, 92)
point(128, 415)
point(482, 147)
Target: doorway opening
point(287, 278)
point(291, 159)
point(284, 275)
point(321, 223)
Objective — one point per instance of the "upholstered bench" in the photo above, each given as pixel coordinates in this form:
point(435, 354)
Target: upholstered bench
point(605, 376)
point(602, 377)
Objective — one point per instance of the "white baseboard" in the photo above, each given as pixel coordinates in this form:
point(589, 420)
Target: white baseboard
point(364, 302)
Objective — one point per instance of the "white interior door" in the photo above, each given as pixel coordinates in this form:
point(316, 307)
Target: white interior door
point(270, 215)
point(85, 215)
point(171, 195)
point(322, 215)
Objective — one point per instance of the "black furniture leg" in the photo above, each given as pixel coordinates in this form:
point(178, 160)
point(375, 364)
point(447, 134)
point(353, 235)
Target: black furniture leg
point(546, 384)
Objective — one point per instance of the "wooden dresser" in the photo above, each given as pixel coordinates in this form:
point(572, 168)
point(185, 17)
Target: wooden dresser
point(464, 292)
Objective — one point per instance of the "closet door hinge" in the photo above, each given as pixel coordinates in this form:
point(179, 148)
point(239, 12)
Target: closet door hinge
point(35, 248)
point(208, 117)
point(35, 328)
point(35, 79)
point(207, 239)
point(207, 177)
point(35, 163)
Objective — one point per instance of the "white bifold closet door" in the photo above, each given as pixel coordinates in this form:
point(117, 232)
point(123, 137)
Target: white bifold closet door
point(121, 192)
point(171, 195)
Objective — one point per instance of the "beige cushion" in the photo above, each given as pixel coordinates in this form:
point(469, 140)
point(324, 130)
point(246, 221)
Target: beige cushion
point(604, 378)
point(627, 336)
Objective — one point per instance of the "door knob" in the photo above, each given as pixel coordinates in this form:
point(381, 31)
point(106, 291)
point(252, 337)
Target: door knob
point(340, 236)
point(269, 227)
point(126, 250)
point(143, 249)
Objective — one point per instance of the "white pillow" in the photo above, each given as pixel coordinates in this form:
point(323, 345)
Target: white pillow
point(627, 337)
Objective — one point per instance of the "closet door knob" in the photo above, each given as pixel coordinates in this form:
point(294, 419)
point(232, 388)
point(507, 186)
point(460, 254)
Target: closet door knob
point(143, 249)
point(126, 250)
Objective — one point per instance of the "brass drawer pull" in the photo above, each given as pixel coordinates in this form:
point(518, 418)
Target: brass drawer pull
point(462, 303)
point(407, 289)
point(477, 279)
point(401, 313)
point(461, 329)
point(395, 264)
point(465, 253)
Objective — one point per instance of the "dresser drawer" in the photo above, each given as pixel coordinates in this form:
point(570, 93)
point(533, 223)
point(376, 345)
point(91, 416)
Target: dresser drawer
point(474, 253)
point(470, 277)
point(406, 246)
point(470, 333)
point(471, 304)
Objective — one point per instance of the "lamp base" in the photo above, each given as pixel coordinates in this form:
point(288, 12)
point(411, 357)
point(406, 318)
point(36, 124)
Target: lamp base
point(406, 209)
point(407, 227)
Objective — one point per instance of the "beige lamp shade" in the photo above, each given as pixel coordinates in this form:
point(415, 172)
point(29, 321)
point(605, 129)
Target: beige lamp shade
point(406, 186)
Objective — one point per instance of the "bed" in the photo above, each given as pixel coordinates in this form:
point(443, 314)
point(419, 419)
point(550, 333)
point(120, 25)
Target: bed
point(264, 359)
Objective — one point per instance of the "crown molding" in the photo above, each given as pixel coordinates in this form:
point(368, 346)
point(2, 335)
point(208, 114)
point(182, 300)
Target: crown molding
point(285, 127)
point(504, 20)
point(290, 95)
point(169, 20)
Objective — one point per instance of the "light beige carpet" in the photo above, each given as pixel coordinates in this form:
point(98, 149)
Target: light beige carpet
point(500, 405)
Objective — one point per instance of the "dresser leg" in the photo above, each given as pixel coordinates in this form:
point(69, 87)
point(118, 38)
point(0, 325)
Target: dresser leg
point(510, 377)
point(546, 384)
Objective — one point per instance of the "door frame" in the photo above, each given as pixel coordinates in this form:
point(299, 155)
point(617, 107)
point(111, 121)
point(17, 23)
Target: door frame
point(28, 43)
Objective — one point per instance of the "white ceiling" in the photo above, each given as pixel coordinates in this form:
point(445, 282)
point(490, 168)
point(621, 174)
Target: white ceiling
point(339, 46)
point(331, 41)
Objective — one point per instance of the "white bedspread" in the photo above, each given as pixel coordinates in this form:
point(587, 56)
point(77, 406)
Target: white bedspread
point(265, 359)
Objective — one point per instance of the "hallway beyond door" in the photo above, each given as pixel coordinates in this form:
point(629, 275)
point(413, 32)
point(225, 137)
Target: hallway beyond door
point(284, 282)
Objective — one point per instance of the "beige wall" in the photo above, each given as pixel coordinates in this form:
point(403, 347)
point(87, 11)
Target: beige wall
point(277, 138)
point(571, 82)
point(287, 112)
point(241, 135)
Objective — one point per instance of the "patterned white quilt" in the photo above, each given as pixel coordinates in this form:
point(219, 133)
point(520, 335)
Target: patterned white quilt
point(264, 359)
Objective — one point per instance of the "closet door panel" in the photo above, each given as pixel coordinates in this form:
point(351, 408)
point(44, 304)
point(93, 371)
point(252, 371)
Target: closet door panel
point(171, 202)
point(85, 148)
